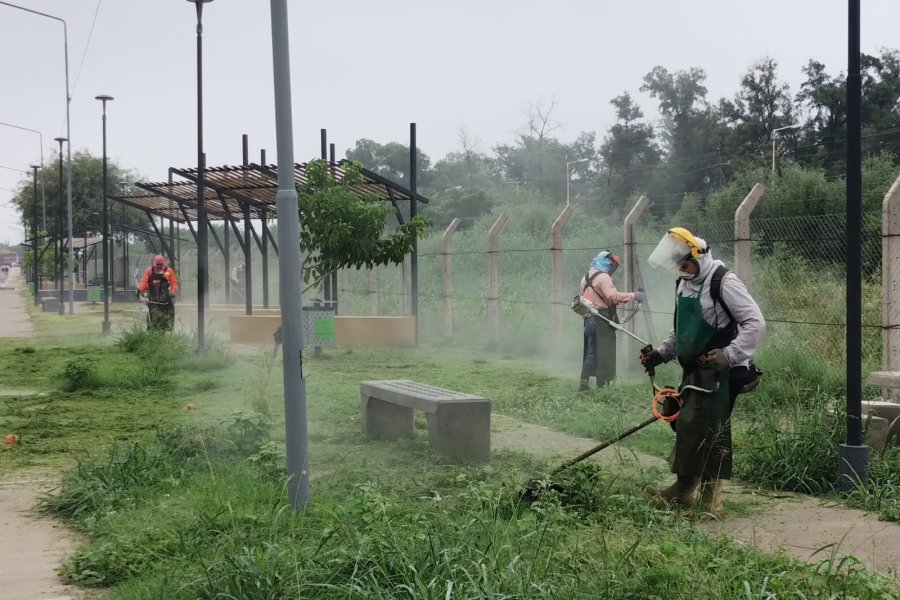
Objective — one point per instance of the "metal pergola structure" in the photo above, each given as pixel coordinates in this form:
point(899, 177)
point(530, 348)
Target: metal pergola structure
point(235, 195)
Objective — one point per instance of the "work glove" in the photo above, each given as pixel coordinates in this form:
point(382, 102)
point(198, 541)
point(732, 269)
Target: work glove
point(640, 296)
point(651, 360)
point(715, 359)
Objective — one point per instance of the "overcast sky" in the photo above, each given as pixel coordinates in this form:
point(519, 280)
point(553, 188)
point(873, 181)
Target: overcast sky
point(367, 68)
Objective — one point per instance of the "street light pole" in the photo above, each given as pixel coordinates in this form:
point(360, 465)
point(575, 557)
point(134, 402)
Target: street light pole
point(104, 98)
point(853, 454)
point(774, 133)
point(35, 262)
point(69, 156)
point(59, 238)
point(202, 241)
point(571, 162)
point(290, 268)
point(43, 193)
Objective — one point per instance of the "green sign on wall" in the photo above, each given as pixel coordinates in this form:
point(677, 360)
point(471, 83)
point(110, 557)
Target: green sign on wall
point(323, 329)
point(95, 294)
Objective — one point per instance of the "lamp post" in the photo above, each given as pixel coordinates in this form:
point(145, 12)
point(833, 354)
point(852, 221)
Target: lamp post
point(104, 98)
point(59, 238)
point(774, 133)
point(202, 241)
point(568, 172)
point(43, 193)
point(123, 186)
point(35, 255)
point(853, 454)
point(69, 156)
point(290, 268)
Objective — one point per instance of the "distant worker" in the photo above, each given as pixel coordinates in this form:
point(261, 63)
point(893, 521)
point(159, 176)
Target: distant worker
point(238, 282)
point(599, 349)
point(159, 285)
point(718, 328)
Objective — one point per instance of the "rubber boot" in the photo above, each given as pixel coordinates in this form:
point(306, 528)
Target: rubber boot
point(680, 493)
point(584, 385)
point(711, 491)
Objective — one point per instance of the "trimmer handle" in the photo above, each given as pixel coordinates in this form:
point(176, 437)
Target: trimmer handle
point(645, 351)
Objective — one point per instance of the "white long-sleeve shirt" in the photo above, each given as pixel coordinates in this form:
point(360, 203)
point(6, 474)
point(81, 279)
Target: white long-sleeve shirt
point(750, 322)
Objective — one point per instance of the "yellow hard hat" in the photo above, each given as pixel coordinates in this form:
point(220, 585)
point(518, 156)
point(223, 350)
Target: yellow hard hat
point(697, 247)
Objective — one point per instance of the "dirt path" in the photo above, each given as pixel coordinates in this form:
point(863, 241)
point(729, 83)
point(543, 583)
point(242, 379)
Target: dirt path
point(807, 528)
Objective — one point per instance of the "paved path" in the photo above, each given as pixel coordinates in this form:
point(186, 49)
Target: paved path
point(797, 524)
point(31, 545)
point(15, 322)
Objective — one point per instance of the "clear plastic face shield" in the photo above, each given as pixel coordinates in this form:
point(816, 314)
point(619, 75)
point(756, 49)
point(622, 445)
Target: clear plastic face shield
point(669, 253)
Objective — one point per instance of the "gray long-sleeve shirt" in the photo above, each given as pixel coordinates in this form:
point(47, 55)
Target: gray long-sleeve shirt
point(750, 321)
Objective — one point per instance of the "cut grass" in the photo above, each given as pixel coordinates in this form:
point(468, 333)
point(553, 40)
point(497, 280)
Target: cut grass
point(388, 519)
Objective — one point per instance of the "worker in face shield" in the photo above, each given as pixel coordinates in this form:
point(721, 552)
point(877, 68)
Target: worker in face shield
point(599, 349)
point(718, 328)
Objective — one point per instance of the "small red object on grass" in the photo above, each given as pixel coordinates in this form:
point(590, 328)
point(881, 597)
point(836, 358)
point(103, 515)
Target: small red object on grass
point(10, 439)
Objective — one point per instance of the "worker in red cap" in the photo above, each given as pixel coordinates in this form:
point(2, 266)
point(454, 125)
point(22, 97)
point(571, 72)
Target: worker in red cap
point(159, 285)
point(597, 288)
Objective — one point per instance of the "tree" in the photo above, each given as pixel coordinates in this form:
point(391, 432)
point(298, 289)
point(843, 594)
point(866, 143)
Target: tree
point(823, 99)
point(881, 102)
point(691, 131)
point(87, 196)
point(539, 160)
point(390, 160)
point(340, 229)
point(761, 105)
point(628, 150)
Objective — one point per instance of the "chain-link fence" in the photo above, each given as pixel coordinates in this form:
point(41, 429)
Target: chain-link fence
point(797, 273)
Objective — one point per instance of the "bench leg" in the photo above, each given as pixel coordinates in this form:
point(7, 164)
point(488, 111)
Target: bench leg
point(462, 431)
point(385, 419)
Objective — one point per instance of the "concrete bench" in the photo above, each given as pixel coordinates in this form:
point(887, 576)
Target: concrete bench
point(459, 425)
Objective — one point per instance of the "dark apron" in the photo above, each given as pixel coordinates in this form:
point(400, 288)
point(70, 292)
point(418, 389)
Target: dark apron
point(161, 310)
point(703, 432)
point(604, 363)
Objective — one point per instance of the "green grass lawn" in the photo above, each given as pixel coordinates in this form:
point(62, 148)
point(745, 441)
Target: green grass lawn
point(174, 472)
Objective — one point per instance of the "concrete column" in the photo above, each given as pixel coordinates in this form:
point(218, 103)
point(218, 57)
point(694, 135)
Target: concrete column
point(344, 292)
point(404, 289)
point(556, 252)
point(742, 233)
point(632, 273)
point(494, 280)
point(448, 276)
point(373, 291)
point(890, 279)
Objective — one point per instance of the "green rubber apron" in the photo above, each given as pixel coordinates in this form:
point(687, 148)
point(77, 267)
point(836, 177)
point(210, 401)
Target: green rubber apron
point(703, 431)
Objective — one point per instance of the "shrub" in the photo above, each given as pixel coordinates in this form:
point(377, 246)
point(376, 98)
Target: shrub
point(80, 373)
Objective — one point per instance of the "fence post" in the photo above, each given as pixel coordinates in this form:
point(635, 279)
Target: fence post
point(448, 277)
point(373, 291)
point(344, 292)
point(890, 282)
point(404, 288)
point(631, 268)
point(742, 233)
point(494, 280)
point(556, 252)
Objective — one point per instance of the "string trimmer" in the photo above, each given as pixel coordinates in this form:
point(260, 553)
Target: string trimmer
point(666, 405)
